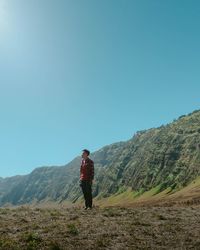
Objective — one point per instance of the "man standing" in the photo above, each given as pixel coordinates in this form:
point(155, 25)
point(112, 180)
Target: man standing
point(86, 178)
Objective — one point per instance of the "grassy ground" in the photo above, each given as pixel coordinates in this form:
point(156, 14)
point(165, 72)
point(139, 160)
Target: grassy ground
point(140, 227)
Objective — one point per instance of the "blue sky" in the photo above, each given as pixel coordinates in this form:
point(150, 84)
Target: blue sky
point(80, 74)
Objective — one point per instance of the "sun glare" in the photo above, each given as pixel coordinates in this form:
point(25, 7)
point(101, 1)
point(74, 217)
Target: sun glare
point(3, 17)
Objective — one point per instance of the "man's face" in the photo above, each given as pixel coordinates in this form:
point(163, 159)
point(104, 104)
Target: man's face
point(84, 155)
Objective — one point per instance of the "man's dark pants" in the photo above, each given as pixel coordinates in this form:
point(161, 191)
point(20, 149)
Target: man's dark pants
point(87, 192)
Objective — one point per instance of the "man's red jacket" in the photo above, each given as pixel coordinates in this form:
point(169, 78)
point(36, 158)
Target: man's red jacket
point(87, 169)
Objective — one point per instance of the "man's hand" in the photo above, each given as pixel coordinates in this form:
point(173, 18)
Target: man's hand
point(91, 181)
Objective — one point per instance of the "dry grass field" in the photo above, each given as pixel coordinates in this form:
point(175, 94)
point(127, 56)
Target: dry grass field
point(144, 226)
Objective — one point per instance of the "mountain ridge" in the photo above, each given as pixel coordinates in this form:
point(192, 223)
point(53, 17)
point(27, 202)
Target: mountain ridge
point(166, 157)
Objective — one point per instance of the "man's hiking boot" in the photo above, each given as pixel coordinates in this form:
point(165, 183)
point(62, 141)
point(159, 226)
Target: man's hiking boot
point(89, 208)
point(85, 208)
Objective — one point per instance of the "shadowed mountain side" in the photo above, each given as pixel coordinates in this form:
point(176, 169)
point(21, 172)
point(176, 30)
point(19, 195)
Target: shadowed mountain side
point(41, 183)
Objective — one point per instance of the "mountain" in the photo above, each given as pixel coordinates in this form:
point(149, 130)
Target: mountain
point(163, 158)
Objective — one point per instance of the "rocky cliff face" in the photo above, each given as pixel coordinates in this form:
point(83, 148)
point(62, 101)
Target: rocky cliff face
point(163, 157)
